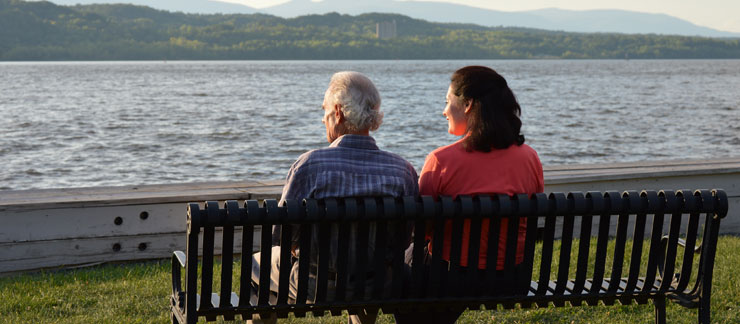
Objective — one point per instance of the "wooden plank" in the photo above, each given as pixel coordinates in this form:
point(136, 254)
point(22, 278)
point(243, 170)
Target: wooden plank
point(717, 163)
point(63, 223)
point(106, 196)
point(645, 180)
point(80, 251)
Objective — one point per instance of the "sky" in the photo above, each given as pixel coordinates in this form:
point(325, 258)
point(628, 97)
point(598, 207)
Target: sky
point(718, 14)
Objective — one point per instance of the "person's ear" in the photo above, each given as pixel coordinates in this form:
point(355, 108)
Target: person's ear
point(468, 105)
point(338, 114)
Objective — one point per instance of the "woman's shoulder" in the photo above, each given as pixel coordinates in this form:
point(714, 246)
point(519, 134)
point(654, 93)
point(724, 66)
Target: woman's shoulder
point(448, 150)
point(525, 149)
point(520, 152)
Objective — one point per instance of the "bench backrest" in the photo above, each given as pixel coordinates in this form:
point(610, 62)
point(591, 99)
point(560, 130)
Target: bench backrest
point(566, 266)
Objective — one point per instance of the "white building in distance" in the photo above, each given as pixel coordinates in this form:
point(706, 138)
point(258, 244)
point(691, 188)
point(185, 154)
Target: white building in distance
point(385, 29)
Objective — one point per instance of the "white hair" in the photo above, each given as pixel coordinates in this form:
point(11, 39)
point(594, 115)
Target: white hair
point(359, 99)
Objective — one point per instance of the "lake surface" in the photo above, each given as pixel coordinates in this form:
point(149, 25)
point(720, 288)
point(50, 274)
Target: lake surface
point(78, 124)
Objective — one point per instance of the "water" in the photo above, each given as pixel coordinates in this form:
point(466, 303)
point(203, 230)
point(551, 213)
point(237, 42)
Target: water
point(76, 124)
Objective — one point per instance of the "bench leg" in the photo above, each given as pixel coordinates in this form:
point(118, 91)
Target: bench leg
point(659, 303)
point(704, 312)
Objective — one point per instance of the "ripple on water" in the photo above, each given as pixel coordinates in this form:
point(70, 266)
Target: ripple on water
point(33, 172)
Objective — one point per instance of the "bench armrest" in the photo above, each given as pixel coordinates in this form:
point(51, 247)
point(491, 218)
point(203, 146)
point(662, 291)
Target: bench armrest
point(682, 243)
point(176, 271)
point(180, 256)
point(662, 256)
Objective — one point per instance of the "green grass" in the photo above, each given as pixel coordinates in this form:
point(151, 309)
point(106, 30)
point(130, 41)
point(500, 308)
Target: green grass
point(139, 293)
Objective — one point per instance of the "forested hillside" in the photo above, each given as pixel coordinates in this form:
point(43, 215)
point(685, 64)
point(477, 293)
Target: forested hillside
point(44, 31)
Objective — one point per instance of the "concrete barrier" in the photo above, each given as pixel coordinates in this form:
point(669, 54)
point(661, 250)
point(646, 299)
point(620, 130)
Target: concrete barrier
point(83, 226)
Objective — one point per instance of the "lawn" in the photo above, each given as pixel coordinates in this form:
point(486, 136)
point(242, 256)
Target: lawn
point(139, 293)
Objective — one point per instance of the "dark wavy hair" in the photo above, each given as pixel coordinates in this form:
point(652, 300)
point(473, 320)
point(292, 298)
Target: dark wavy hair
point(493, 120)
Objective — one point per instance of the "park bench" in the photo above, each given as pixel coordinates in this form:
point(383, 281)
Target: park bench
point(593, 247)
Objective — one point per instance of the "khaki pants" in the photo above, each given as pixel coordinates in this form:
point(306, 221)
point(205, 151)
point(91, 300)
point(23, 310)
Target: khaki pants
point(292, 292)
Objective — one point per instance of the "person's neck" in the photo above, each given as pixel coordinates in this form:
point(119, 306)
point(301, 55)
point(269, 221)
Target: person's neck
point(363, 133)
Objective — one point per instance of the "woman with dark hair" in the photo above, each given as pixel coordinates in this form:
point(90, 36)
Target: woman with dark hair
point(490, 158)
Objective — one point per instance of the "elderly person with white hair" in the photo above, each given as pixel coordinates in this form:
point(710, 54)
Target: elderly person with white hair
point(352, 165)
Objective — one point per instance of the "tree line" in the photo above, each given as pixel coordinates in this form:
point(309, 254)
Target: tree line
point(45, 31)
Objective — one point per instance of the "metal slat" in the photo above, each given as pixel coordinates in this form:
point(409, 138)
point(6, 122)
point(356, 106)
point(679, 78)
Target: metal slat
point(206, 275)
point(637, 238)
point(350, 211)
point(512, 240)
point(584, 237)
point(602, 239)
point(361, 257)
point(379, 259)
point(436, 267)
point(246, 292)
point(304, 262)
point(688, 256)
point(547, 250)
point(619, 251)
point(418, 268)
point(398, 264)
point(709, 249)
point(263, 291)
point(469, 284)
point(529, 208)
point(227, 254)
point(657, 231)
point(452, 286)
point(322, 272)
point(565, 245)
point(191, 266)
point(669, 263)
point(494, 233)
point(286, 245)
point(226, 271)
point(381, 247)
point(619, 248)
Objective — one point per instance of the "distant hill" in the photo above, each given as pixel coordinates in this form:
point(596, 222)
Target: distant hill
point(185, 6)
point(45, 31)
point(588, 21)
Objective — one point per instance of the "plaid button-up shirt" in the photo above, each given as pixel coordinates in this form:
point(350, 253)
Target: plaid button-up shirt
point(352, 165)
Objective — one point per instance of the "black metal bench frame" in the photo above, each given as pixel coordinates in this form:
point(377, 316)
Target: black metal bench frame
point(692, 220)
